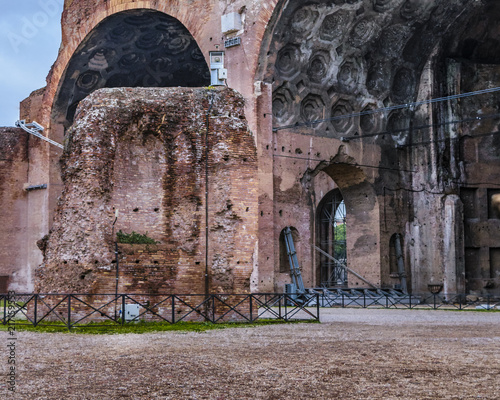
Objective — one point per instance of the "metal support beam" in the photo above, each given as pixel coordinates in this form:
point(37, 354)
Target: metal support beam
point(294, 262)
point(34, 128)
point(346, 267)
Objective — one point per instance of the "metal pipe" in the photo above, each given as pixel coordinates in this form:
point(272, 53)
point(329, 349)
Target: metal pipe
point(207, 288)
point(117, 269)
point(346, 267)
point(116, 260)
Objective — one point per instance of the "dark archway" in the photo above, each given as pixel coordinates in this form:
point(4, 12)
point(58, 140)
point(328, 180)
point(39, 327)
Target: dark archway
point(362, 213)
point(393, 258)
point(331, 238)
point(136, 48)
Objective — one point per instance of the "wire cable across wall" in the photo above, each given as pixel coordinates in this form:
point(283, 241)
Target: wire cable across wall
point(390, 108)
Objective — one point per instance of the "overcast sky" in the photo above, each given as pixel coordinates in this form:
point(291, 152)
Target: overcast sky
point(30, 36)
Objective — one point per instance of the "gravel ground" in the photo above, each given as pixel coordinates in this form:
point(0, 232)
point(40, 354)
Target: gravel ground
point(353, 354)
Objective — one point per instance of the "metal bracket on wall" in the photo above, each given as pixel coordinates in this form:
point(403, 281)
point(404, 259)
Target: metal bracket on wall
point(236, 41)
point(34, 128)
point(29, 188)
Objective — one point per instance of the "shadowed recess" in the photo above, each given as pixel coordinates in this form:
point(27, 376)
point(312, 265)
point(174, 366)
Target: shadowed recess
point(138, 48)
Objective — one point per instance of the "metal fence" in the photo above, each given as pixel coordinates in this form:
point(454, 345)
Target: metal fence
point(368, 299)
point(80, 310)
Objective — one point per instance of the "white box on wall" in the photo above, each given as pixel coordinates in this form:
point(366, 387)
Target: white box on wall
point(231, 23)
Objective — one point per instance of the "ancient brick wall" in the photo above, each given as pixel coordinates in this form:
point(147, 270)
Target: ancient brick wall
point(142, 152)
point(201, 17)
point(300, 61)
point(13, 210)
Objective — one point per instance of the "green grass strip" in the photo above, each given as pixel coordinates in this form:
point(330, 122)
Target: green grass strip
point(144, 327)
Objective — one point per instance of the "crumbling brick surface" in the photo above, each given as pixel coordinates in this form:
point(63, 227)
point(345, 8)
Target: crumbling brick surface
point(142, 152)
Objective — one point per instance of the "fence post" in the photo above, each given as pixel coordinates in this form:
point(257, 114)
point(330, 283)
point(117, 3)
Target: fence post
point(35, 311)
point(317, 305)
point(4, 310)
point(69, 312)
point(251, 304)
point(173, 309)
point(123, 309)
point(286, 304)
point(213, 308)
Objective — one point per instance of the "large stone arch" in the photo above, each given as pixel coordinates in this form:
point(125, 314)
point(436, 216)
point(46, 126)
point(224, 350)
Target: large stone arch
point(78, 22)
point(363, 216)
point(326, 58)
point(120, 47)
point(134, 48)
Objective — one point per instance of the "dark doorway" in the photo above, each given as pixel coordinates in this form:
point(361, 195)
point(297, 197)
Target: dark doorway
point(332, 230)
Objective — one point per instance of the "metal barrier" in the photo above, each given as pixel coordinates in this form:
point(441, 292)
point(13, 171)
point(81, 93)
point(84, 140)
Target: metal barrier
point(369, 299)
point(460, 302)
point(78, 310)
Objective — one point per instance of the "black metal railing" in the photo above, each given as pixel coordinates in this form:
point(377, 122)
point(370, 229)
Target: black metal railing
point(367, 299)
point(460, 302)
point(78, 310)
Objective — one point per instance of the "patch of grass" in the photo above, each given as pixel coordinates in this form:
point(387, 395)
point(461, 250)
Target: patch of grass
point(134, 238)
point(491, 310)
point(18, 303)
point(144, 327)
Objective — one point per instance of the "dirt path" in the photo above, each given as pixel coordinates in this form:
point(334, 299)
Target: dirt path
point(353, 354)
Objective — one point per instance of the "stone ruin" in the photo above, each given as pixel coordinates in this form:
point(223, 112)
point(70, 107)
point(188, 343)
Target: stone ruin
point(312, 77)
point(141, 152)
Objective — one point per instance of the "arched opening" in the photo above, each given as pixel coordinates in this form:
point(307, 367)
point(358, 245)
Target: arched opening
point(397, 269)
point(352, 200)
point(393, 259)
point(331, 239)
point(135, 48)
